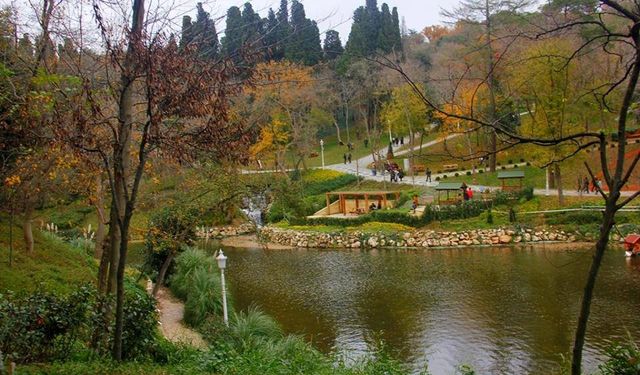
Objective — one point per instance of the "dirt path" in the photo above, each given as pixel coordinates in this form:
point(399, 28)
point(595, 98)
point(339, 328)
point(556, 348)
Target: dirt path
point(171, 325)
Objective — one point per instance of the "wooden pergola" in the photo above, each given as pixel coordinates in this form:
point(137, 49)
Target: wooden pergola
point(506, 176)
point(382, 197)
point(449, 187)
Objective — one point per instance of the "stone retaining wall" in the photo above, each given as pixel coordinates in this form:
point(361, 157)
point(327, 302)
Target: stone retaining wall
point(224, 231)
point(418, 238)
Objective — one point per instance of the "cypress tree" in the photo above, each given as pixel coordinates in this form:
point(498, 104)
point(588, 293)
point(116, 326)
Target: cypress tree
point(187, 32)
point(251, 25)
point(397, 45)
point(386, 34)
point(270, 32)
point(356, 44)
point(282, 31)
point(204, 34)
point(332, 45)
point(232, 41)
point(304, 45)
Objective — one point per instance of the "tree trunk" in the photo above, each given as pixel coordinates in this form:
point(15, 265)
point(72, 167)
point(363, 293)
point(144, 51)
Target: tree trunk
point(558, 177)
point(493, 137)
point(162, 274)
point(335, 123)
point(121, 166)
point(585, 308)
point(27, 229)
point(102, 219)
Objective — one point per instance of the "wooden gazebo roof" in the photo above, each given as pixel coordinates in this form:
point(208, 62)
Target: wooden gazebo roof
point(444, 186)
point(510, 174)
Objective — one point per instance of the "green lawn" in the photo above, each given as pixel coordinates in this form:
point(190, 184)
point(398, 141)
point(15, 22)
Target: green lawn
point(54, 265)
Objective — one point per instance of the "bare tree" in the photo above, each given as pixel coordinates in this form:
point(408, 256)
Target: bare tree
point(616, 28)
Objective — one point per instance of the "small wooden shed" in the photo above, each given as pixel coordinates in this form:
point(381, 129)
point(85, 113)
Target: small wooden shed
point(448, 188)
point(358, 202)
point(511, 180)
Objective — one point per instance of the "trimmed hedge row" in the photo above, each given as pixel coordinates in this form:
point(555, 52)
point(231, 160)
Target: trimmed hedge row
point(432, 213)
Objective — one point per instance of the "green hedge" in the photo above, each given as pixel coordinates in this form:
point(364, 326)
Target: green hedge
point(432, 213)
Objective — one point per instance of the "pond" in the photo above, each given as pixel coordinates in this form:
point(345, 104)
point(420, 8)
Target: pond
point(500, 310)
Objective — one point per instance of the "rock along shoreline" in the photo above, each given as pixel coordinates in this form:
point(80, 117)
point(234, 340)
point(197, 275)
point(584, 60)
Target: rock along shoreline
point(414, 239)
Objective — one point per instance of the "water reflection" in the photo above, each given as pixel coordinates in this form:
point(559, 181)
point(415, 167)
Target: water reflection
point(500, 310)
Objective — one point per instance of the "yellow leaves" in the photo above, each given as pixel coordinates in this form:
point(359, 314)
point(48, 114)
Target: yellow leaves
point(272, 135)
point(12, 180)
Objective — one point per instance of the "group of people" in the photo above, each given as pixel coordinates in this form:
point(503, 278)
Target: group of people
point(398, 141)
point(395, 173)
point(467, 193)
point(373, 207)
point(586, 186)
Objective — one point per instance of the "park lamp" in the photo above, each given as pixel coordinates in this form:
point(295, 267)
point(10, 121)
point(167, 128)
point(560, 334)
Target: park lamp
point(222, 260)
point(222, 264)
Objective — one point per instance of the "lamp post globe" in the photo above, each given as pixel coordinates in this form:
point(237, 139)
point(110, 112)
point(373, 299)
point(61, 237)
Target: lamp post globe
point(222, 260)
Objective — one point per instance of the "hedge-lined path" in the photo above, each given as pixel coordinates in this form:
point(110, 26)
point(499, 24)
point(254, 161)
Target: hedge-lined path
point(171, 314)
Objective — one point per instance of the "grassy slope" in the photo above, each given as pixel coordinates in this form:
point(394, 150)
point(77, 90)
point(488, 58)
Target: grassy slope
point(54, 265)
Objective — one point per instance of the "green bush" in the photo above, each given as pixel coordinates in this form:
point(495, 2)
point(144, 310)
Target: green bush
point(254, 324)
point(622, 360)
point(575, 217)
point(170, 229)
point(196, 280)
point(42, 326)
point(45, 326)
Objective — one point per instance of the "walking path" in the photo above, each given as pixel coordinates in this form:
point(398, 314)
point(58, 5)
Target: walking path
point(171, 313)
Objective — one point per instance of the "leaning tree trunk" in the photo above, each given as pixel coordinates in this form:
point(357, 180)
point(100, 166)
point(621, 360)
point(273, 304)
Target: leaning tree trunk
point(27, 229)
point(163, 273)
point(585, 308)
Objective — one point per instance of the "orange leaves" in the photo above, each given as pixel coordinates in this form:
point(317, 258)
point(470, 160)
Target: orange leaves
point(12, 180)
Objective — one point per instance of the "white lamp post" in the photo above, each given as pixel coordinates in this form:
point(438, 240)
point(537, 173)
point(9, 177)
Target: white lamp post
point(322, 152)
point(222, 264)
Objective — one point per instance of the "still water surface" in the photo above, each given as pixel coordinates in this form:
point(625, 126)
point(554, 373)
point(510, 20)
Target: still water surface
point(503, 311)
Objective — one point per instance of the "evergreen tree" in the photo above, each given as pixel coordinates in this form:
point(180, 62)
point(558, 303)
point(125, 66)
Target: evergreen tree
point(356, 44)
point(204, 34)
point(386, 34)
point(374, 30)
point(251, 26)
point(332, 45)
point(232, 41)
point(304, 46)
point(187, 32)
point(397, 45)
point(201, 33)
point(283, 31)
point(270, 39)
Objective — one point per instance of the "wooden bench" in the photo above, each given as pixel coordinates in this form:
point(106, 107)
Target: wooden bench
point(450, 167)
point(418, 168)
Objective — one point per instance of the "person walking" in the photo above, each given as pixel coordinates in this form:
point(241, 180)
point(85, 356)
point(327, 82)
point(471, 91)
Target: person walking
point(428, 174)
point(585, 185)
point(349, 158)
point(344, 156)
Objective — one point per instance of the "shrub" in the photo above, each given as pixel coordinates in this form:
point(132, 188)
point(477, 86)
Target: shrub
point(169, 230)
point(521, 160)
point(444, 176)
point(576, 217)
point(196, 281)
point(489, 217)
point(480, 170)
point(456, 174)
point(622, 360)
point(438, 178)
point(503, 167)
point(318, 181)
point(510, 161)
point(42, 326)
point(528, 164)
point(468, 173)
point(255, 324)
